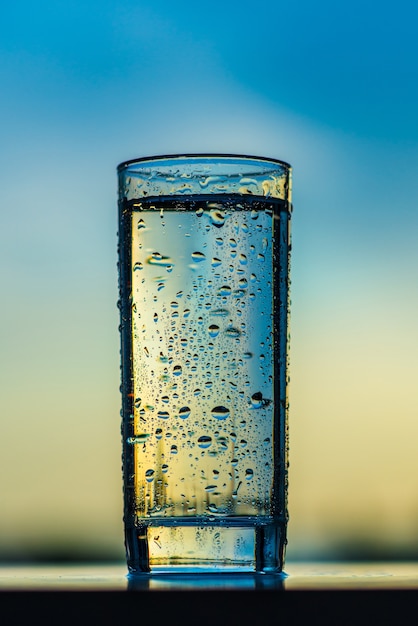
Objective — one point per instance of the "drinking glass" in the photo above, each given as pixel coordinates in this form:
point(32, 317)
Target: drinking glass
point(204, 251)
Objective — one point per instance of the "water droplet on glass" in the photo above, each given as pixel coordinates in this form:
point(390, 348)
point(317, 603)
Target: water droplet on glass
point(159, 433)
point(232, 332)
point(204, 441)
point(254, 214)
point(177, 370)
point(217, 217)
point(186, 313)
point(149, 475)
point(210, 488)
point(220, 412)
point(138, 438)
point(141, 224)
point(158, 259)
point(164, 415)
point(164, 468)
point(173, 449)
point(219, 241)
point(225, 290)
point(198, 256)
point(257, 400)
point(249, 473)
point(165, 399)
point(138, 266)
point(213, 330)
point(216, 262)
point(184, 412)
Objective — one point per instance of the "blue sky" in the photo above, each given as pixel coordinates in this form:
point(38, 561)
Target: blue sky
point(330, 87)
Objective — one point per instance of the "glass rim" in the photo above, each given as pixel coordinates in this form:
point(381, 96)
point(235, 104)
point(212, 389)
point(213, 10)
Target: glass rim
point(204, 155)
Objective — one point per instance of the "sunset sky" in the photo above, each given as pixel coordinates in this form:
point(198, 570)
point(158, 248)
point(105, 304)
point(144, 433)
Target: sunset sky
point(331, 88)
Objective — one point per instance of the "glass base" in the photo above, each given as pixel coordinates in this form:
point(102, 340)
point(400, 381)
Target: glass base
point(179, 545)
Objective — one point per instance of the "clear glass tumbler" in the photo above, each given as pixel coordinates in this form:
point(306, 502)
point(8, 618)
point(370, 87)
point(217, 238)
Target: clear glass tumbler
point(204, 274)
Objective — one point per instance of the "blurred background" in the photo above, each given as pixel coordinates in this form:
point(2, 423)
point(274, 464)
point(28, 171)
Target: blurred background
point(331, 88)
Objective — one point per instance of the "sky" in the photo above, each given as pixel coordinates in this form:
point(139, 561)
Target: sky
point(331, 88)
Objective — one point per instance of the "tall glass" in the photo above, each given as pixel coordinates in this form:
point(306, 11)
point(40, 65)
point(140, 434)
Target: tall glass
point(203, 275)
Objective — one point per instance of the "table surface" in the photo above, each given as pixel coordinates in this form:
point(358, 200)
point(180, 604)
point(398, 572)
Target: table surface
point(300, 576)
point(334, 594)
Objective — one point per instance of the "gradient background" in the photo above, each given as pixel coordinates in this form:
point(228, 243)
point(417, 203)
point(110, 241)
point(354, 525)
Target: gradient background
point(330, 87)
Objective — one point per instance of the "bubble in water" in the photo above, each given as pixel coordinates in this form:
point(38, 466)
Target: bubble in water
point(213, 330)
point(198, 256)
point(249, 473)
point(220, 412)
point(184, 412)
point(149, 475)
point(204, 441)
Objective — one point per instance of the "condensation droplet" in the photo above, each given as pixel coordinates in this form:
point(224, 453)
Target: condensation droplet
point(141, 438)
point(216, 262)
point(198, 256)
point(164, 415)
point(177, 370)
point(220, 412)
point(249, 473)
point(213, 330)
point(217, 217)
point(173, 449)
point(225, 290)
point(204, 441)
point(138, 266)
point(149, 475)
point(184, 412)
point(158, 259)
